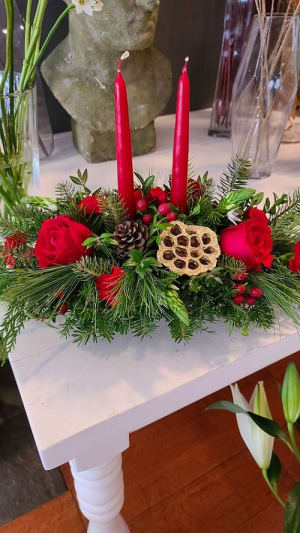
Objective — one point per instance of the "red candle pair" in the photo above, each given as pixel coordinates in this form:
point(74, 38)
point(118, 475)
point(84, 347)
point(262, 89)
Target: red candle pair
point(180, 149)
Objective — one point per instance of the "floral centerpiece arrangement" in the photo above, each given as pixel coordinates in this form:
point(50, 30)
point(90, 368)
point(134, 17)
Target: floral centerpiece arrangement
point(121, 261)
point(17, 100)
point(83, 257)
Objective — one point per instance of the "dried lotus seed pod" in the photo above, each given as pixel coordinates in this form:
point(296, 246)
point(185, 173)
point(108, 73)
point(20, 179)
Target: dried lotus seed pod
point(188, 250)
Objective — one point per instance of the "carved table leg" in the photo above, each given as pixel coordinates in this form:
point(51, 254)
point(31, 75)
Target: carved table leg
point(100, 493)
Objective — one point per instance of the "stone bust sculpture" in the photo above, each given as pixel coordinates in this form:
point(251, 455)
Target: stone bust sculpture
point(82, 69)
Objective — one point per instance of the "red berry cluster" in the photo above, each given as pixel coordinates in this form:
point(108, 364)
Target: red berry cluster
point(157, 196)
point(243, 294)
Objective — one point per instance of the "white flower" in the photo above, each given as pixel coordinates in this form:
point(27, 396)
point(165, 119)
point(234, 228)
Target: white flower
point(259, 443)
point(87, 6)
point(233, 217)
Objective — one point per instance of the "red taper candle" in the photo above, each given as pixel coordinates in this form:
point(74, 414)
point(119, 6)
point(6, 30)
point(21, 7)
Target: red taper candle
point(181, 142)
point(123, 143)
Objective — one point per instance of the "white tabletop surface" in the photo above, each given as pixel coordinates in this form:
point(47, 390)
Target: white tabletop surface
point(75, 394)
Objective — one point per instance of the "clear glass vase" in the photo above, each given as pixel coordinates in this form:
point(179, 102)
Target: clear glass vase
point(19, 148)
point(292, 131)
point(264, 91)
point(238, 16)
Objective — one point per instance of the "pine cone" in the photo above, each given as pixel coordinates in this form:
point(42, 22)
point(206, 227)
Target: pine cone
point(130, 235)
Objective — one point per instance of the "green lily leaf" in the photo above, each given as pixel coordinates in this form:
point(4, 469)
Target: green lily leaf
point(274, 470)
point(267, 425)
point(292, 511)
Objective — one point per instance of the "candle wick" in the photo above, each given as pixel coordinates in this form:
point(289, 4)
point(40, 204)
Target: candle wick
point(125, 55)
point(185, 64)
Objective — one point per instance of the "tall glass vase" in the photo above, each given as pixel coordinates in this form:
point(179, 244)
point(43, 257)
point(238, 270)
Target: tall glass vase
point(238, 16)
point(19, 148)
point(264, 91)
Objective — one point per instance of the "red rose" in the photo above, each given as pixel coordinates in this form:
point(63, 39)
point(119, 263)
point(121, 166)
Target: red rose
point(250, 241)
point(60, 241)
point(108, 285)
point(295, 261)
point(12, 243)
point(91, 204)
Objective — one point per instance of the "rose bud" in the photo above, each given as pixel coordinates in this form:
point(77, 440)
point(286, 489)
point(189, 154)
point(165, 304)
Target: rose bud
point(91, 204)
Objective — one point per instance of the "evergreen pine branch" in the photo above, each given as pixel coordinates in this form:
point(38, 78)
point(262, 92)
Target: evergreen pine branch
point(231, 265)
point(281, 289)
point(90, 267)
point(25, 219)
point(179, 330)
point(289, 210)
point(285, 225)
point(236, 177)
point(114, 211)
point(12, 325)
point(65, 193)
point(88, 318)
point(67, 201)
point(142, 327)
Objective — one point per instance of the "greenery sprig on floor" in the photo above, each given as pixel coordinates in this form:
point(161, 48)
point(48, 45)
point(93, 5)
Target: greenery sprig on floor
point(79, 257)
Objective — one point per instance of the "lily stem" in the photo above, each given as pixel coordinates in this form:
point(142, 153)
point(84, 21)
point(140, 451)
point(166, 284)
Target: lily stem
point(293, 440)
point(272, 488)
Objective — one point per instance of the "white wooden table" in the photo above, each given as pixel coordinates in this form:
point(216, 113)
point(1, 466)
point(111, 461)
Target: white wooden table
point(83, 402)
